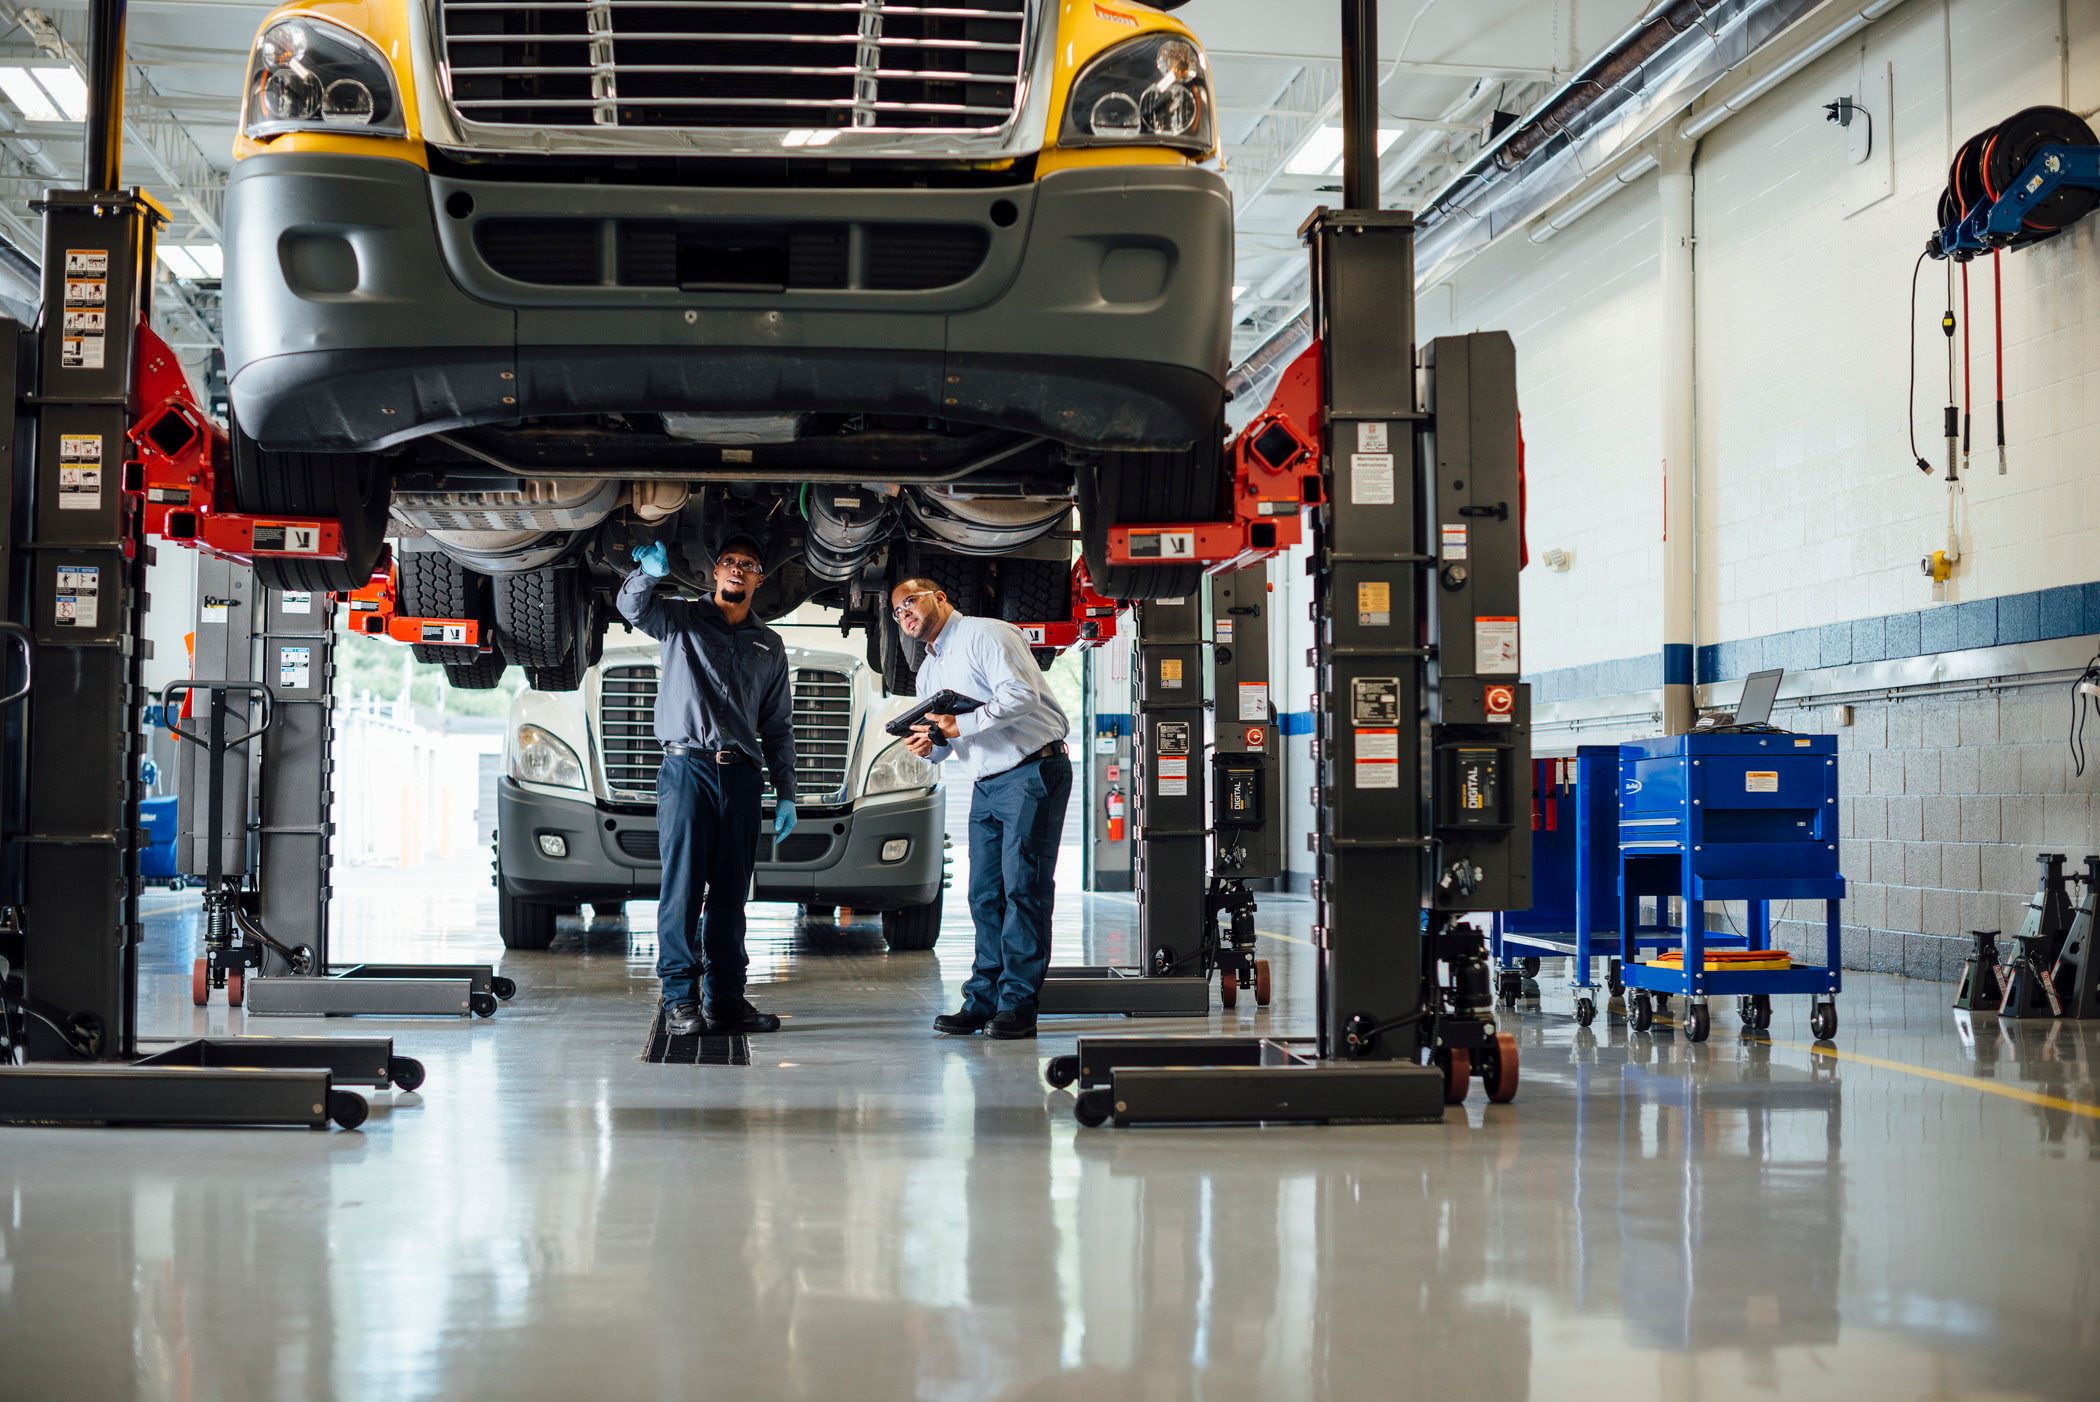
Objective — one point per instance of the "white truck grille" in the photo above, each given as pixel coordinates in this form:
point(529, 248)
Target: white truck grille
point(629, 754)
point(756, 65)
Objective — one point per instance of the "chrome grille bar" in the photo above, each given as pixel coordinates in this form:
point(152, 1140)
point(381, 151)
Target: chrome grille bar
point(628, 754)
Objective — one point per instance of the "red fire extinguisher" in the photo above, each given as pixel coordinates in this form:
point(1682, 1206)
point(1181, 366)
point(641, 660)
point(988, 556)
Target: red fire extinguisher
point(1115, 805)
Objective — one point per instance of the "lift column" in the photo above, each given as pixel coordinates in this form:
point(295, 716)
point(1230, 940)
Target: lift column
point(295, 800)
point(1245, 709)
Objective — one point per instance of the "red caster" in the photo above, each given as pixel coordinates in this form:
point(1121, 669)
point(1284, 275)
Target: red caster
point(200, 982)
point(236, 983)
point(1261, 982)
point(1458, 1077)
point(1229, 987)
point(1501, 1070)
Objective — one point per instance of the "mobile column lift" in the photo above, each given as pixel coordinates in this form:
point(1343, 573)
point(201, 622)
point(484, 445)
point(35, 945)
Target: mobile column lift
point(1422, 738)
point(75, 556)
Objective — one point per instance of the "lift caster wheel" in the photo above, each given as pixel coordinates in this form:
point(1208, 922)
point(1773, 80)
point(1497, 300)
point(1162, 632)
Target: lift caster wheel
point(504, 988)
point(347, 1108)
point(1061, 1071)
point(1093, 1107)
point(1228, 988)
point(236, 987)
point(1458, 1076)
point(1500, 1073)
point(1642, 1014)
point(1585, 1011)
point(1530, 965)
point(1509, 986)
point(1698, 1023)
point(1262, 986)
point(1823, 1021)
point(483, 1004)
point(404, 1072)
point(200, 982)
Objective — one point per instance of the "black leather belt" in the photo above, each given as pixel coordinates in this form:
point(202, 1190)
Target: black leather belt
point(1055, 747)
point(685, 751)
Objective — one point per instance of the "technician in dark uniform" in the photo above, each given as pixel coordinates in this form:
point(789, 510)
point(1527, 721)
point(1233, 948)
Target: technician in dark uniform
point(723, 700)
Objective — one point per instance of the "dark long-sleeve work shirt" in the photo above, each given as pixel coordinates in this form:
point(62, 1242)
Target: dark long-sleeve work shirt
point(720, 687)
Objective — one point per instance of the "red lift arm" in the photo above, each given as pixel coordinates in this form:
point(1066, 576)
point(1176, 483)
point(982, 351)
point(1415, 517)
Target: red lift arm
point(371, 611)
point(1093, 617)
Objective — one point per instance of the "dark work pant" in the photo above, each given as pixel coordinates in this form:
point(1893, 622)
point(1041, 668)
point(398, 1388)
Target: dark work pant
point(707, 831)
point(1015, 821)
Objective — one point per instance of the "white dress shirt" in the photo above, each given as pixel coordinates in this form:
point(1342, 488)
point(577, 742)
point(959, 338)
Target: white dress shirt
point(989, 661)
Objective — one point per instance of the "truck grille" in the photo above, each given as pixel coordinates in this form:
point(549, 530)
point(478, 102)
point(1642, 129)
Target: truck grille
point(763, 65)
point(629, 754)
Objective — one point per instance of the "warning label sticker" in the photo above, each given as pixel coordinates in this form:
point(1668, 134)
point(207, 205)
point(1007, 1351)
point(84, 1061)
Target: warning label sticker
point(1374, 604)
point(285, 539)
point(445, 634)
point(86, 300)
point(1254, 701)
point(1378, 759)
point(1162, 545)
point(1173, 776)
point(1371, 479)
point(1761, 781)
point(79, 471)
point(1495, 646)
point(1224, 630)
point(1170, 672)
point(1454, 542)
point(87, 262)
point(297, 601)
point(1034, 632)
point(76, 603)
point(295, 667)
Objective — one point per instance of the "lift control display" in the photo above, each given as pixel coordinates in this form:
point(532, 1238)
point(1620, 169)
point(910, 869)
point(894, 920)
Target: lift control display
point(1239, 787)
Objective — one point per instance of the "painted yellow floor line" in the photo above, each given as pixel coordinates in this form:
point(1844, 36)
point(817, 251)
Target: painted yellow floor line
point(2030, 1097)
point(1280, 935)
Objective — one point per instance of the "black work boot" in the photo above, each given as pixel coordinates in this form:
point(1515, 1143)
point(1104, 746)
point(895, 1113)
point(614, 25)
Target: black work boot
point(1011, 1024)
point(682, 1020)
point(739, 1016)
point(961, 1024)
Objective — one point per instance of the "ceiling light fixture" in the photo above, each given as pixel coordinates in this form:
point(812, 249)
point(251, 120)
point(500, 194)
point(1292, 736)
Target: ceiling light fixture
point(46, 94)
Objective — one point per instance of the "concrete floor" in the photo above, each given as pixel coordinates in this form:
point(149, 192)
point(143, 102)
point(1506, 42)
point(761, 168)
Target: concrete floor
point(871, 1212)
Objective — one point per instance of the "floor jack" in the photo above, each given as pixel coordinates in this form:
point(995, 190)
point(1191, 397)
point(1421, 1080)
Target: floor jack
point(1422, 728)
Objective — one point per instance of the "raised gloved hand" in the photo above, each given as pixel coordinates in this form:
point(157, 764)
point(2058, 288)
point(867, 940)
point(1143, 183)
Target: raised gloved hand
point(653, 558)
point(783, 819)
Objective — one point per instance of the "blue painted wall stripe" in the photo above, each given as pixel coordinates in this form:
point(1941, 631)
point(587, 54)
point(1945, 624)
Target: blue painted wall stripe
point(1677, 664)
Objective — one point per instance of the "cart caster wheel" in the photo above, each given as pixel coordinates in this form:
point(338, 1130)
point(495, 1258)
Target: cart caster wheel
point(1642, 1014)
point(1458, 1077)
point(504, 988)
point(1530, 965)
point(1228, 988)
point(347, 1108)
point(1502, 1069)
point(1756, 1012)
point(1261, 983)
point(1585, 1012)
point(1611, 978)
point(483, 1004)
point(1093, 1107)
point(1509, 987)
point(1662, 1003)
point(1823, 1021)
point(200, 982)
point(236, 987)
point(1697, 1023)
point(405, 1072)
point(1061, 1072)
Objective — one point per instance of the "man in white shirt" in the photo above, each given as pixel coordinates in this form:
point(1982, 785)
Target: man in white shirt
point(1015, 747)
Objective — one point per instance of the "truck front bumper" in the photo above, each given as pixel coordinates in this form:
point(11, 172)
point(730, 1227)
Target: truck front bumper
point(834, 856)
point(363, 306)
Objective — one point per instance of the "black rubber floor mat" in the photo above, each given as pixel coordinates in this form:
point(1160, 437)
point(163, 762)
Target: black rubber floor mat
point(704, 1049)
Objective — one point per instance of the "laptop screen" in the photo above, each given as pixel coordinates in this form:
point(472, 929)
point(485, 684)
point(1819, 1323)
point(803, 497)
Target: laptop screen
point(1760, 690)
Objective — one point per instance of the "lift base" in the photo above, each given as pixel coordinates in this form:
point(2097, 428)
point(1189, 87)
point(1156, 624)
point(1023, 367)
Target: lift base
point(1103, 989)
point(196, 1096)
point(362, 995)
point(1248, 1080)
point(352, 1061)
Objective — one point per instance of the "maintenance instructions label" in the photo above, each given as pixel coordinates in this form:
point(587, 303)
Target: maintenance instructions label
point(295, 667)
point(296, 601)
point(79, 471)
point(1171, 744)
point(1761, 781)
point(82, 338)
point(1494, 646)
point(77, 603)
point(1170, 672)
point(1374, 604)
point(1254, 701)
point(1374, 712)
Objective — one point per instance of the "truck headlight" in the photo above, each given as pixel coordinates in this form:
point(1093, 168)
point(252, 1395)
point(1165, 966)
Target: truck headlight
point(536, 757)
point(309, 75)
point(897, 769)
point(1153, 91)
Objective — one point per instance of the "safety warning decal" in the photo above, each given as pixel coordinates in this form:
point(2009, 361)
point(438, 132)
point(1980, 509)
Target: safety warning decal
point(1370, 479)
point(83, 324)
point(285, 539)
point(445, 634)
point(1224, 632)
point(76, 602)
point(1254, 700)
point(1495, 646)
point(1454, 542)
point(295, 669)
point(79, 471)
point(1500, 702)
point(1170, 672)
point(1162, 545)
point(1035, 633)
point(296, 601)
point(1173, 776)
point(1761, 781)
point(1374, 604)
point(1378, 759)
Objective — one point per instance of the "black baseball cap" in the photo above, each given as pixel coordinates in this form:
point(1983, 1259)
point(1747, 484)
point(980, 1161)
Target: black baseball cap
point(748, 541)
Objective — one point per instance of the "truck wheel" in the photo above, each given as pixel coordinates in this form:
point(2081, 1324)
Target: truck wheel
point(566, 677)
point(350, 488)
point(522, 924)
point(915, 928)
point(537, 619)
point(899, 673)
point(434, 585)
point(1034, 591)
point(1134, 488)
point(480, 673)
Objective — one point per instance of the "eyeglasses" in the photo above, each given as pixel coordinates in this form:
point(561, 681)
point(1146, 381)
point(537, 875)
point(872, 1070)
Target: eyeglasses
point(900, 610)
point(737, 562)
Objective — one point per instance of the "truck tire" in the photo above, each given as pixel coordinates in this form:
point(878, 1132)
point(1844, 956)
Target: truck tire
point(887, 653)
point(961, 577)
point(1034, 591)
point(584, 653)
point(520, 923)
point(481, 671)
point(914, 928)
point(350, 488)
point(434, 585)
point(1136, 488)
point(536, 617)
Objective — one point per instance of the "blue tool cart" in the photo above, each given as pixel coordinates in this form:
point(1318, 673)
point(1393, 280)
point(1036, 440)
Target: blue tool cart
point(1711, 818)
point(158, 816)
point(1574, 881)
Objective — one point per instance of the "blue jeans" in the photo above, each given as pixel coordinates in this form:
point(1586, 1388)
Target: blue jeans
point(707, 831)
point(1015, 821)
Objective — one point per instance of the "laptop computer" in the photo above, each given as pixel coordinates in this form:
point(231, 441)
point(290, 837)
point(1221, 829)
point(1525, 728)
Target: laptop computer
point(1753, 710)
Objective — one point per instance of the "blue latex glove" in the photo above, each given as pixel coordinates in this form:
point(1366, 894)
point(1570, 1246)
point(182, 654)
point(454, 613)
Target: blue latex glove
point(653, 558)
point(783, 818)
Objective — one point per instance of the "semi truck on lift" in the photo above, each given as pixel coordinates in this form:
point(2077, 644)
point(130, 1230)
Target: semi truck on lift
point(576, 804)
point(895, 288)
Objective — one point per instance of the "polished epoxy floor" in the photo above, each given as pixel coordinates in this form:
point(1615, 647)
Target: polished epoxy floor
point(871, 1212)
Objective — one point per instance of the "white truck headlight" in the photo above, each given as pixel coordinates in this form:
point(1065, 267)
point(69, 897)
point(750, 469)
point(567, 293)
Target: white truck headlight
point(1153, 91)
point(897, 769)
point(537, 757)
point(309, 75)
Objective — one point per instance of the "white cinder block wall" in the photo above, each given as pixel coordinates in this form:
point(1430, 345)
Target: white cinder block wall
point(1809, 513)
